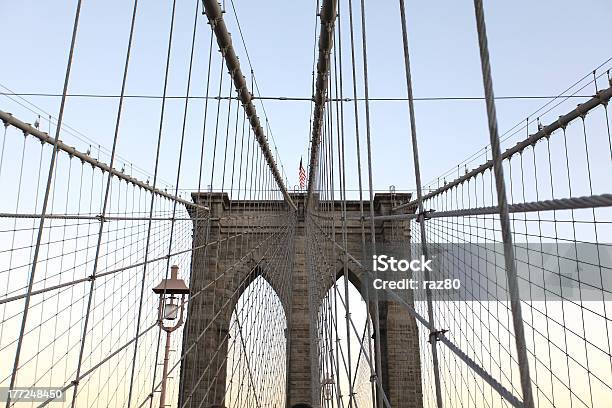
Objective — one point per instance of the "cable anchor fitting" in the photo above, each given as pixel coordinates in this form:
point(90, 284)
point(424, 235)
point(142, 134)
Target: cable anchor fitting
point(424, 215)
point(600, 95)
point(436, 335)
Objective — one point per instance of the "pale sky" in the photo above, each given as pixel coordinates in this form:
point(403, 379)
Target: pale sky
point(537, 48)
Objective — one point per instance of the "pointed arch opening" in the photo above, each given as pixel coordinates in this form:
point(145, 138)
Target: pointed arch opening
point(346, 347)
point(257, 348)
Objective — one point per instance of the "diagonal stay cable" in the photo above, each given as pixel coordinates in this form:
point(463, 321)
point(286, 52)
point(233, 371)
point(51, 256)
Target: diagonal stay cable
point(504, 215)
point(9, 119)
point(504, 392)
point(215, 17)
point(246, 355)
point(601, 98)
point(45, 201)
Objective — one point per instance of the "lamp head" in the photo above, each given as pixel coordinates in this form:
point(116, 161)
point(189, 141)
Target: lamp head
point(172, 286)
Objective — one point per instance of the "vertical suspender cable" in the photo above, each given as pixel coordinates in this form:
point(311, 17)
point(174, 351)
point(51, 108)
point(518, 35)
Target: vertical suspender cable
point(377, 348)
point(419, 191)
point(375, 380)
point(45, 203)
point(504, 217)
point(215, 17)
point(104, 205)
point(152, 206)
point(174, 204)
point(326, 42)
point(359, 180)
point(342, 177)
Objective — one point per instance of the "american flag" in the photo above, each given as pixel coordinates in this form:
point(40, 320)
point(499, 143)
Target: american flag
point(302, 175)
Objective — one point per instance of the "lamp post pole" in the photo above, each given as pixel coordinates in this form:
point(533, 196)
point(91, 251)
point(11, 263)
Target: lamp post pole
point(162, 397)
point(168, 310)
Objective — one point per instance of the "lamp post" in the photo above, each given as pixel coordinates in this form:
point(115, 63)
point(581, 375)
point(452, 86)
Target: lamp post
point(168, 311)
point(328, 388)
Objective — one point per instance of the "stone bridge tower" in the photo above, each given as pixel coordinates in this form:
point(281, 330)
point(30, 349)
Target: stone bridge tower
point(211, 310)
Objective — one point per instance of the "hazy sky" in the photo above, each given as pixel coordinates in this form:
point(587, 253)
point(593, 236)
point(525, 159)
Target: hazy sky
point(537, 48)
